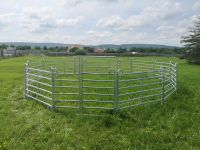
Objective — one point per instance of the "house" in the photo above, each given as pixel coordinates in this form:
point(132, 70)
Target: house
point(10, 51)
point(74, 46)
point(134, 53)
point(98, 50)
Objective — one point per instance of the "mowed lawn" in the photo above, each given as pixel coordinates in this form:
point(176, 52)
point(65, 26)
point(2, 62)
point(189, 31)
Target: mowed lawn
point(26, 124)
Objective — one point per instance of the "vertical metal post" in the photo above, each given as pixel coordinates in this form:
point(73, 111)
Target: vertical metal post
point(154, 63)
point(131, 61)
point(43, 60)
point(53, 73)
point(163, 84)
point(117, 86)
point(109, 64)
point(37, 84)
point(26, 88)
point(142, 85)
point(85, 65)
point(170, 70)
point(176, 76)
point(80, 76)
point(75, 64)
point(64, 66)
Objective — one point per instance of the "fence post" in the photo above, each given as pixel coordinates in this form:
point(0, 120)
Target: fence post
point(26, 79)
point(64, 66)
point(131, 65)
point(117, 86)
point(75, 64)
point(176, 77)
point(53, 73)
point(80, 82)
point(43, 60)
point(163, 84)
point(85, 65)
point(142, 85)
point(171, 77)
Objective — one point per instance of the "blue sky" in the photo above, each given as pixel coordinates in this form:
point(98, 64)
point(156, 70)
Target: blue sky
point(97, 21)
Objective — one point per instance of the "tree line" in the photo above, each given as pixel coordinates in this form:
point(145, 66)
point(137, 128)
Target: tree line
point(87, 49)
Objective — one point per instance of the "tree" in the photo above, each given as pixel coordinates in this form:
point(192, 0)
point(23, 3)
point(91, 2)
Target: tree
point(25, 47)
point(80, 52)
point(3, 46)
point(73, 49)
point(45, 48)
point(192, 43)
point(37, 48)
point(89, 49)
point(121, 50)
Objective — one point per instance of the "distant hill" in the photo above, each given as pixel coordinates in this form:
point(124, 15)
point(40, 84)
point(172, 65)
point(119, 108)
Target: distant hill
point(103, 46)
point(127, 46)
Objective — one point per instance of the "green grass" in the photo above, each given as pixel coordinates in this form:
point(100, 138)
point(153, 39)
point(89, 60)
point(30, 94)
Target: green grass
point(26, 124)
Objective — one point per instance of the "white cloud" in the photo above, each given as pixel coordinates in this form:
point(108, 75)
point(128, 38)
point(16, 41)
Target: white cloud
point(196, 5)
point(97, 21)
point(69, 22)
point(95, 34)
point(79, 2)
point(7, 19)
point(148, 17)
point(43, 20)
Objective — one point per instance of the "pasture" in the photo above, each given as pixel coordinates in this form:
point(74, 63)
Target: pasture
point(26, 124)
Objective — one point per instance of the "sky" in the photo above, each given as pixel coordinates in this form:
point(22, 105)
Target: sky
point(94, 22)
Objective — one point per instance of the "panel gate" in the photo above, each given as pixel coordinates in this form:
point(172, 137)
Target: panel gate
point(94, 84)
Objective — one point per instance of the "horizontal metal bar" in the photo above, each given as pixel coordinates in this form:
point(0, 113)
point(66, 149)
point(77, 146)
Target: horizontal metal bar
point(130, 93)
point(104, 108)
point(66, 80)
point(155, 62)
point(100, 57)
point(89, 80)
point(137, 98)
point(39, 88)
point(142, 72)
point(98, 94)
point(94, 73)
point(157, 100)
point(56, 86)
point(93, 87)
point(39, 76)
point(139, 85)
point(96, 101)
point(67, 100)
point(106, 67)
point(66, 93)
point(39, 94)
point(140, 91)
point(153, 77)
point(40, 82)
point(146, 84)
point(73, 107)
point(66, 73)
point(39, 70)
point(129, 87)
point(38, 100)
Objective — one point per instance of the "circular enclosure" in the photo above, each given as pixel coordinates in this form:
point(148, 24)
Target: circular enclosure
point(99, 83)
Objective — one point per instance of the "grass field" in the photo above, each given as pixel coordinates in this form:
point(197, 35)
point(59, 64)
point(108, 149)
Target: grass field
point(26, 124)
